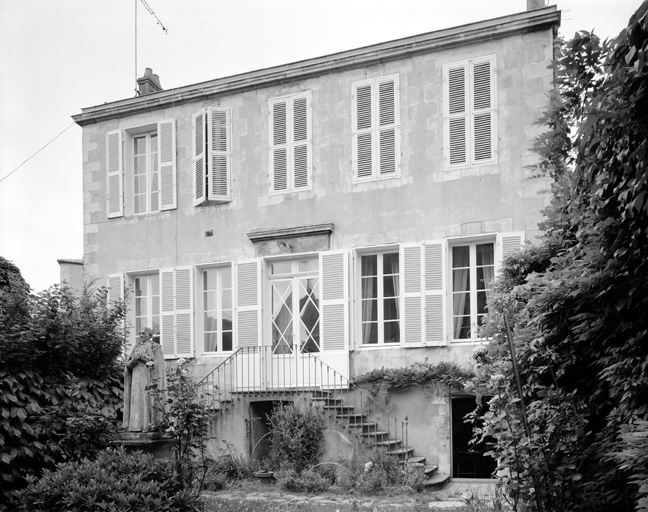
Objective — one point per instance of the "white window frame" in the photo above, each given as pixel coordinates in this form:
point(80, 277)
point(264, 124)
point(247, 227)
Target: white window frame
point(379, 251)
point(152, 168)
point(291, 144)
point(372, 133)
point(469, 113)
point(130, 278)
point(472, 243)
point(219, 311)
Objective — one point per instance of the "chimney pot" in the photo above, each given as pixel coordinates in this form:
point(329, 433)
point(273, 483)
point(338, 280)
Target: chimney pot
point(149, 83)
point(532, 5)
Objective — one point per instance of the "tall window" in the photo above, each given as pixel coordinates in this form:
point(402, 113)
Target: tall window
point(469, 112)
point(217, 309)
point(290, 143)
point(147, 303)
point(376, 129)
point(146, 174)
point(473, 268)
point(295, 306)
point(380, 291)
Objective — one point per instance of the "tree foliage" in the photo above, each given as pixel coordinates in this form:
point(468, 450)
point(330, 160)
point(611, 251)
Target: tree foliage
point(577, 302)
point(60, 380)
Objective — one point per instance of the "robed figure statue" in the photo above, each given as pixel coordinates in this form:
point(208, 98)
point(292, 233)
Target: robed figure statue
point(144, 367)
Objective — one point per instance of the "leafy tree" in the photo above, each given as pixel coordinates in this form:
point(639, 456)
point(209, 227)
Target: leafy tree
point(60, 380)
point(577, 303)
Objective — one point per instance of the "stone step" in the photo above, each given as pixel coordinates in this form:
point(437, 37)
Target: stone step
point(350, 418)
point(321, 393)
point(365, 427)
point(326, 400)
point(376, 435)
point(390, 444)
point(430, 470)
point(401, 453)
point(436, 482)
point(413, 460)
point(339, 410)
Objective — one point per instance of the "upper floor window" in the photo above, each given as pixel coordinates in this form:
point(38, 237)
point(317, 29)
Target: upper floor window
point(376, 129)
point(146, 157)
point(469, 112)
point(290, 143)
point(212, 155)
point(473, 269)
point(380, 295)
point(146, 174)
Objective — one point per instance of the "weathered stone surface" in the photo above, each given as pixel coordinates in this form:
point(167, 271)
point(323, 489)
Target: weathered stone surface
point(336, 446)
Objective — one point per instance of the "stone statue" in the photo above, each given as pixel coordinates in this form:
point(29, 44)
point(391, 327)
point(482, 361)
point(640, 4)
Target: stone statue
point(144, 366)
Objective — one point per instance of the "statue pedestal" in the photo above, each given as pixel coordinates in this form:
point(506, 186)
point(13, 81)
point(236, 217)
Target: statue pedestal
point(157, 443)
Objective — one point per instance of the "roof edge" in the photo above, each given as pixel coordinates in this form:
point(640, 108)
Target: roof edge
point(431, 41)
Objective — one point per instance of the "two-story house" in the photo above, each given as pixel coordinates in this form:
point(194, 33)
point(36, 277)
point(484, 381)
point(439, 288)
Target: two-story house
point(306, 223)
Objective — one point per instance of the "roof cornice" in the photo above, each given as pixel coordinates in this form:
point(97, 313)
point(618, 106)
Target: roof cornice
point(361, 57)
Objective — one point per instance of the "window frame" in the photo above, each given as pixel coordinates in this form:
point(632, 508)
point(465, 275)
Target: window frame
point(358, 325)
point(470, 112)
point(376, 129)
point(200, 327)
point(472, 243)
point(150, 163)
point(290, 143)
point(131, 316)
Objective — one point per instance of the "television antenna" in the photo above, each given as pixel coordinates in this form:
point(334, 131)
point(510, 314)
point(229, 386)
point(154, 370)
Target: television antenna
point(158, 21)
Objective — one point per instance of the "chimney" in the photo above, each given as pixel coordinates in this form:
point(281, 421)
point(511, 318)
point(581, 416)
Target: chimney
point(149, 83)
point(532, 5)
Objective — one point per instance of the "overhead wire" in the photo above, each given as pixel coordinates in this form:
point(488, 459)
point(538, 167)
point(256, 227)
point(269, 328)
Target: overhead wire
point(41, 149)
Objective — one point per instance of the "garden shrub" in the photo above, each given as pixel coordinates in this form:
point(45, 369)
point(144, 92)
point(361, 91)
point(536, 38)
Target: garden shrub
point(116, 481)
point(309, 480)
point(297, 436)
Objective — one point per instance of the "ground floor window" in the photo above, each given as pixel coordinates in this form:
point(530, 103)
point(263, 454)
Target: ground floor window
point(217, 309)
point(147, 304)
point(473, 269)
point(379, 288)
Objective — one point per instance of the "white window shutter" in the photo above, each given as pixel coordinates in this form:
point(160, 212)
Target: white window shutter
point(167, 164)
point(456, 114)
point(412, 293)
point(334, 320)
point(434, 253)
point(388, 132)
point(115, 175)
point(362, 120)
point(167, 331)
point(279, 156)
point(115, 286)
point(219, 137)
point(184, 311)
point(199, 173)
point(483, 110)
point(301, 138)
point(507, 244)
point(248, 303)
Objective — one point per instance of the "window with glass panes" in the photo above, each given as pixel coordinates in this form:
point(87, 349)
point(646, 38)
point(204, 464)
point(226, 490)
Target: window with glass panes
point(146, 175)
point(217, 309)
point(147, 304)
point(473, 268)
point(380, 291)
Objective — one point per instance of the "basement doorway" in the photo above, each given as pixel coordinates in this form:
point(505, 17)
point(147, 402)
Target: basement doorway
point(468, 460)
point(259, 428)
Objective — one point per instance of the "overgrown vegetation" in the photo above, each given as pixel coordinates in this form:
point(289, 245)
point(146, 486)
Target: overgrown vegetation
point(60, 382)
point(117, 481)
point(568, 413)
point(297, 437)
point(447, 375)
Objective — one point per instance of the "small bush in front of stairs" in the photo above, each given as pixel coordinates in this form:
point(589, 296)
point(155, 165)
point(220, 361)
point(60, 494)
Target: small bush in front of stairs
point(116, 481)
point(297, 437)
point(309, 480)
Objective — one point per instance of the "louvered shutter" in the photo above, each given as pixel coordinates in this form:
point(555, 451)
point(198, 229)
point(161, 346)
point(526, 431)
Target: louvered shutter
point(362, 120)
point(456, 112)
point(434, 254)
point(115, 175)
point(301, 139)
point(334, 305)
point(167, 332)
point(115, 286)
point(412, 296)
point(483, 110)
point(388, 131)
point(219, 136)
point(248, 303)
point(507, 244)
point(198, 159)
point(184, 312)
point(279, 146)
point(167, 164)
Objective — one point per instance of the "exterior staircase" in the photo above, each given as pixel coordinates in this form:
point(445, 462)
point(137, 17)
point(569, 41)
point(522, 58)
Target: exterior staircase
point(347, 405)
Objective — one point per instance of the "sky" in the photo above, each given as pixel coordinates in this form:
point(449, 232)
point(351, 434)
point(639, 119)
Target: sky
point(59, 56)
